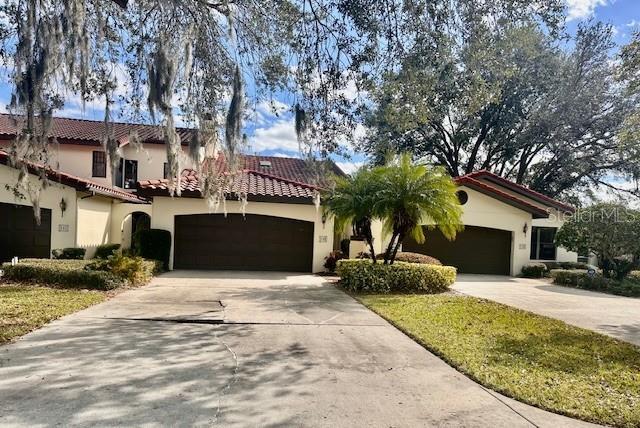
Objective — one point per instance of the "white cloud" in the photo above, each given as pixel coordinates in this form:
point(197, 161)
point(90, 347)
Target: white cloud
point(279, 135)
point(633, 23)
point(580, 9)
point(349, 167)
point(285, 155)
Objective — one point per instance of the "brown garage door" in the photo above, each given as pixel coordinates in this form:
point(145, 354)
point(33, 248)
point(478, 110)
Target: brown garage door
point(475, 250)
point(252, 242)
point(20, 235)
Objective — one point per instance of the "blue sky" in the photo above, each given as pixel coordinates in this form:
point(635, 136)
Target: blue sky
point(271, 134)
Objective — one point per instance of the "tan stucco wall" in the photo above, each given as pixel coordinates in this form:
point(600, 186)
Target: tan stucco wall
point(63, 227)
point(166, 208)
point(77, 159)
point(121, 222)
point(94, 222)
point(485, 211)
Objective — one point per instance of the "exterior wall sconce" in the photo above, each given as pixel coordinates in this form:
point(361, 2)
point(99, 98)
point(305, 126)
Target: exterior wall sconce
point(525, 228)
point(63, 206)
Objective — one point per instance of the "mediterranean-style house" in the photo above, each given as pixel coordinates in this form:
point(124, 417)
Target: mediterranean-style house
point(281, 228)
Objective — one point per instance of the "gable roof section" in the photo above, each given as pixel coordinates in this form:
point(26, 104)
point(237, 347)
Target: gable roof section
point(495, 179)
point(286, 180)
point(91, 132)
point(496, 193)
point(78, 183)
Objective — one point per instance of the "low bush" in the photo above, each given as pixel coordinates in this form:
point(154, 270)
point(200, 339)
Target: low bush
point(634, 276)
point(61, 274)
point(154, 244)
point(409, 257)
point(360, 275)
point(58, 264)
point(344, 246)
point(566, 265)
point(69, 253)
point(131, 270)
point(534, 270)
point(106, 250)
point(98, 274)
point(596, 282)
point(331, 261)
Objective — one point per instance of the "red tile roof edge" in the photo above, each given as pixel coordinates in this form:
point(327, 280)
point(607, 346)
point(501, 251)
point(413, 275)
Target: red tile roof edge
point(515, 186)
point(77, 183)
point(160, 184)
point(286, 180)
point(472, 182)
point(123, 140)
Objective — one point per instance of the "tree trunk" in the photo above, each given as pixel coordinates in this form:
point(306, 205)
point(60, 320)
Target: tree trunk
point(387, 253)
point(397, 247)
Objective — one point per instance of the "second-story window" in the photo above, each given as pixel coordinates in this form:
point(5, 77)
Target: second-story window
point(99, 165)
point(127, 175)
point(165, 173)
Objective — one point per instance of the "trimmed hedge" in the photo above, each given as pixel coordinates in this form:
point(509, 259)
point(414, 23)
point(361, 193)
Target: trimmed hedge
point(131, 270)
point(581, 279)
point(566, 265)
point(534, 270)
point(634, 275)
point(100, 274)
point(69, 253)
point(106, 250)
point(62, 275)
point(361, 275)
point(408, 257)
point(154, 244)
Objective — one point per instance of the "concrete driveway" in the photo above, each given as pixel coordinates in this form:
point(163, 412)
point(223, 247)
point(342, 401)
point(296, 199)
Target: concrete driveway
point(616, 316)
point(239, 349)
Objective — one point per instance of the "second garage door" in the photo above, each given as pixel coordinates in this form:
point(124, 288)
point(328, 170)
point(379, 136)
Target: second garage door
point(20, 235)
point(475, 250)
point(236, 242)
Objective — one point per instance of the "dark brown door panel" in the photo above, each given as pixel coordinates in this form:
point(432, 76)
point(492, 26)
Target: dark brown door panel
point(236, 242)
point(475, 250)
point(20, 235)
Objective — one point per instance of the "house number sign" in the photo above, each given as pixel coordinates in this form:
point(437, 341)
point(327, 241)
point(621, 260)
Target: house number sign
point(63, 228)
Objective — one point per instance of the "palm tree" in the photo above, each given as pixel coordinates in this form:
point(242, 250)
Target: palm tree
point(411, 195)
point(352, 202)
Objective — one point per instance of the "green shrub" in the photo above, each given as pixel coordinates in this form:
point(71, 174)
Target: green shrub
point(58, 264)
point(534, 270)
point(105, 250)
point(331, 261)
point(131, 270)
point(596, 282)
point(344, 246)
point(409, 257)
point(362, 275)
point(69, 253)
point(634, 276)
point(566, 265)
point(61, 274)
point(154, 244)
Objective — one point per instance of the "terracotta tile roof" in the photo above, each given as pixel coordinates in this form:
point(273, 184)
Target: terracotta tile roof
point(518, 188)
point(90, 132)
point(507, 198)
point(78, 183)
point(284, 178)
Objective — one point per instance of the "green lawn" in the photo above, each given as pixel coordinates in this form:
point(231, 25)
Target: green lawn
point(24, 308)
point(534, 359)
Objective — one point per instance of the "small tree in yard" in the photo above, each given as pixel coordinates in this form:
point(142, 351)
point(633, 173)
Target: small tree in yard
point(352, 201)
point(610, 231)
point(411, 195)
